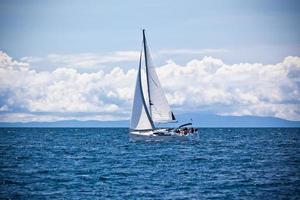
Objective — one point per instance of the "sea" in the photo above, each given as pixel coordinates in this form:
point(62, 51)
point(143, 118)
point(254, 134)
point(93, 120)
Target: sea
point(105, 163)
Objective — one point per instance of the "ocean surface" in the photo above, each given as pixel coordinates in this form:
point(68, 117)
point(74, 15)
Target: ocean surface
point(102, 163)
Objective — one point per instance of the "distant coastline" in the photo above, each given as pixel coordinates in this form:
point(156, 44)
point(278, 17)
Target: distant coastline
point(199, 120)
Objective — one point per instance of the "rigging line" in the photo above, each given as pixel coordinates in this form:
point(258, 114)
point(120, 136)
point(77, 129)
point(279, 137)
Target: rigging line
point(154, 81)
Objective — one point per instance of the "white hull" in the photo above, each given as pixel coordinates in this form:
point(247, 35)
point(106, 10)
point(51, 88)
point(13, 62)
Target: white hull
point(169, 135)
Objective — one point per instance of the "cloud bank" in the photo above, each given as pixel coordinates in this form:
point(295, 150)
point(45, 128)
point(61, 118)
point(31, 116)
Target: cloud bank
point(206, 85)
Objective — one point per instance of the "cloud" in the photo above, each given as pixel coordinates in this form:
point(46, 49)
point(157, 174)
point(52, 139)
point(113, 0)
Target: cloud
point(83, 60)
point(64, 90)
point(3, 108)
point(7, 62)
point(239, 89)
point(95, 61)
point(191, 51)
point(208, 85)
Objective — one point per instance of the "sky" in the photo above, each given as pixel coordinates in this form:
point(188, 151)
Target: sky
point(78, 59)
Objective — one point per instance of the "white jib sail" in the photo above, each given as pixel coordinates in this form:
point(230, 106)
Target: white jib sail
point(140, 117)
point(160, 110)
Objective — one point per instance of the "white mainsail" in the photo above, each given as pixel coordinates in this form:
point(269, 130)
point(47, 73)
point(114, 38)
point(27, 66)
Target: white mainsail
point(140, 117)
point(160, 110)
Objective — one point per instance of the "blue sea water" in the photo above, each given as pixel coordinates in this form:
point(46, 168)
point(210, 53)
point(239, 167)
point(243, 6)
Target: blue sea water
point(102, 163)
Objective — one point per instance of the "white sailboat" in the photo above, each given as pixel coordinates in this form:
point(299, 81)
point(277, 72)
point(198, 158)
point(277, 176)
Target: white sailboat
point(151, 106)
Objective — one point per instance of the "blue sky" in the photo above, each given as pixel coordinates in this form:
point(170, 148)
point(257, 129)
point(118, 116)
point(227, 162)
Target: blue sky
point(257, 31)
point(77, 59)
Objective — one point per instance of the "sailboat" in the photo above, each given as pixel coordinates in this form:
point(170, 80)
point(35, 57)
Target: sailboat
point(150, 107)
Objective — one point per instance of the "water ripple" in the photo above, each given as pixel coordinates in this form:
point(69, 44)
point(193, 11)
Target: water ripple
point(101, 163)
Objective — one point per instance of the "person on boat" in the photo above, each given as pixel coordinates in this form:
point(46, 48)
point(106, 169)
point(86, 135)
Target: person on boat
point(185, 131)
point(192, 130)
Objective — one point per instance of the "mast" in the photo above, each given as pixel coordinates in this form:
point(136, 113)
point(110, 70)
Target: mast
point(147, 71)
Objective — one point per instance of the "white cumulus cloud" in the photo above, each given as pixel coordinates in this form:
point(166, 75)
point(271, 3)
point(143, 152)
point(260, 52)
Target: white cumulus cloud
point(200, 85)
